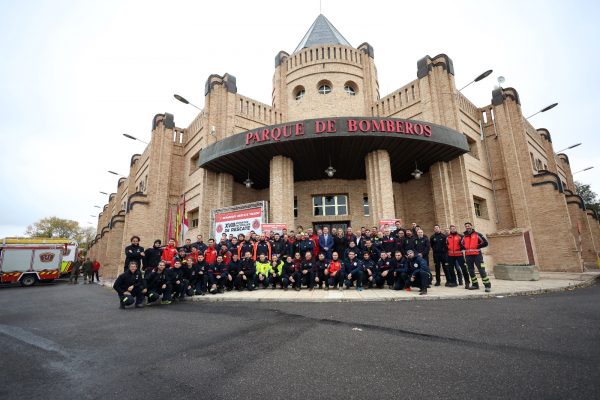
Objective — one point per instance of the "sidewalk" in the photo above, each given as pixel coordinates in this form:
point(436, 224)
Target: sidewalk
point(549, 282)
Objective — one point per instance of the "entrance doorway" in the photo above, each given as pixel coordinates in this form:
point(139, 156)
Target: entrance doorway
point(335, 224)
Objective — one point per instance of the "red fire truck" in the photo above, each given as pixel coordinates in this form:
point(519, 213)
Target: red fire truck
point(28, 263)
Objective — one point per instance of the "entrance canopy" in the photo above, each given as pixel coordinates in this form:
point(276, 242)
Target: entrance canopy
point(346, 141)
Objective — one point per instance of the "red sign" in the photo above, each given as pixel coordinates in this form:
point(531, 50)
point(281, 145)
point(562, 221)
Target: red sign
point(348, 125)
point(236, 222)
point(275, 228)
point(388, 224)
point(46, 257)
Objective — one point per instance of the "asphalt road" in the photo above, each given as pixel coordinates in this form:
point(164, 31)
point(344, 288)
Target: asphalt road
point(72, 342)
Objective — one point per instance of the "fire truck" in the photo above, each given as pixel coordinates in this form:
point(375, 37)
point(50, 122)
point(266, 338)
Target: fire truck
point(30, 260)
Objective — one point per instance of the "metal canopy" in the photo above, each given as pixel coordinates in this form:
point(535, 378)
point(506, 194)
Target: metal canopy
point(311, 152)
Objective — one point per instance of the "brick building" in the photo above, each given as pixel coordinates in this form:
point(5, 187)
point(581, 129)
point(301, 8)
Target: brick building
point(487, 165)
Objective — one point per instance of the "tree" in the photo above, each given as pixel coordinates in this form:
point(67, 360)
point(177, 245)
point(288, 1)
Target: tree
point(54, 227)
point(85, 236)
point(590, 198)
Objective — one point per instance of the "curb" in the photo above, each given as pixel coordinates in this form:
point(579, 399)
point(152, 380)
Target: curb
point(224, 298)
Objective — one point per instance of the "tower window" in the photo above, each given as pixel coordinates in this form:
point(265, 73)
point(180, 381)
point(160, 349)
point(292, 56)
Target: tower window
point(324, 89)
point(299, 92)
point(350, 88)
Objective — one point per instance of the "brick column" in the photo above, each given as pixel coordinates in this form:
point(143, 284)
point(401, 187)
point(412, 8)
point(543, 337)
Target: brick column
point(379, 185)
point(281, 191)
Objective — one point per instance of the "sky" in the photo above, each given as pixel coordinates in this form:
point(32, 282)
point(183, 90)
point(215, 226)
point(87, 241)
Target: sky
point(76, 75)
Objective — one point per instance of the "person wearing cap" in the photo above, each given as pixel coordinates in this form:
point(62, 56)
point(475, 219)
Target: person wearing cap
point(419, 271)
point(353, 271)
point(473, 242)
point(158, 284)
point(130, 287)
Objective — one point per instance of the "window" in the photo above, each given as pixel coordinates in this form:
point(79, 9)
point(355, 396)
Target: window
point(532, 160)
point(295, 207)
point(480, 206)
point(324, 87)
point(299, 92)
point(194, 162)
point(473, 149)
point(350, 88)
point(366, 205)
point(330, 205)
point(193, 217)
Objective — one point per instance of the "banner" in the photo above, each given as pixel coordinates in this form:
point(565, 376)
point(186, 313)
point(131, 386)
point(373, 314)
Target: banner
point(389, 224)
point(275, 228)
point(239, 221)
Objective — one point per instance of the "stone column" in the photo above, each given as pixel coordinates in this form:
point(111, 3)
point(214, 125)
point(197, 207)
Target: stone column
point(281, 191)
point(379, 185)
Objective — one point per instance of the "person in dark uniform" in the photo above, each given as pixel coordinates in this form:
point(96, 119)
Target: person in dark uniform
point(287, 273)
point(399, 267)
point(130, 287)
point(385, 273)
point(353, 271)
point(275, 272)
point(152, 257)
point(158, 284)
point(320, 271)
point(422, 245)
point(234, 268)
point(420, 275)
point(439, 248)
point(473, 242)
point(307, 270)
point(216, 275)
point(198, 279)
point(175, 276)
point(133, 252)
point(370, 270)
point(245, 277)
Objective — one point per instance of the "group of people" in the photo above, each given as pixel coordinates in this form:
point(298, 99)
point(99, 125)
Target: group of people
point(89, 268)
point(372, 258)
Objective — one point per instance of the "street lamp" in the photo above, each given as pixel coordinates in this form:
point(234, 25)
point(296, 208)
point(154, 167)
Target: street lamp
point(185, 101)
point(551, 106)
point(570, 147)
point(93, 216)
point(101, 192)
point(585, 169)
point(478, 78)
point(97, 206)
point(116, 173)
point(133, 138)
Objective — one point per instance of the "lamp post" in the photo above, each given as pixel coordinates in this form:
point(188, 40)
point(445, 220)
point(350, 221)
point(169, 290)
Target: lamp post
point(570, 147)
point(185, 101)
point(97, 206)
point(93, 216)
point(101, 192)
point(550, 107)
point(134, 138)
point(581, 170)
point(116, 173)
point(478, 78)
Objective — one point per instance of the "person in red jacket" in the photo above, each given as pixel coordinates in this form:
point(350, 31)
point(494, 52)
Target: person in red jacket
point(169, 253)
point(334, 272)
point(95, 271)
point(473, 242)
point(210, 254)
point(455, 256)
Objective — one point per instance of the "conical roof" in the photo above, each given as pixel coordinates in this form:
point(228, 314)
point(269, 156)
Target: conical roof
point(321, 32)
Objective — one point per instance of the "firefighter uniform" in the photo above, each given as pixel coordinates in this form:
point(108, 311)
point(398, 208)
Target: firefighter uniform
point(124, 282)
point(456, 260)
point(335, 274)
point(353, 272)
point(158, 285)
point(385, 274)
point(440, 252)
point(473, 242)
point(245, 279)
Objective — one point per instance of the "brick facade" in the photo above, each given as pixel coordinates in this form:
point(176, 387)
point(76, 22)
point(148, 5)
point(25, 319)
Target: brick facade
point(498, 185)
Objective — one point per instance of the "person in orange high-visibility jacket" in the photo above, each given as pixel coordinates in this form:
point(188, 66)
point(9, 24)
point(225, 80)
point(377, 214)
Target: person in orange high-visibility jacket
point(456, 261)
point(473, 242)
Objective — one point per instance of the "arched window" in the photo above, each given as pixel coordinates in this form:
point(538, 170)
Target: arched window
point(299, 92)
point(324, 87)
point(350, 88)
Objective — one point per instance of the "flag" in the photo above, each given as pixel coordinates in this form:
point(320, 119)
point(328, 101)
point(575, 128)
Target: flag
point(184, 222)
point(177, 226)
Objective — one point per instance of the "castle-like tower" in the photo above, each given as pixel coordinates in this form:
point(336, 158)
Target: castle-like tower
point(487, 165)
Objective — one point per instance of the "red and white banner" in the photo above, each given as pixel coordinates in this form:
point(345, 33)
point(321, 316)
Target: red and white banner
point(236, 222)
point(275, 228)
point(389, 224)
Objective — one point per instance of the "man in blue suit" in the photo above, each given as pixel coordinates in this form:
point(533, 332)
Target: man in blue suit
point(326, 243)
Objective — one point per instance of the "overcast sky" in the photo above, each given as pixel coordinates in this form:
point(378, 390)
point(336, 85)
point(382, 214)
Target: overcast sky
point(75, 75)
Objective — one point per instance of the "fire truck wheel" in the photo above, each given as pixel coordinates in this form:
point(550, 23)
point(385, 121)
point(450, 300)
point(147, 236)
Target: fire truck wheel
point(28, 280)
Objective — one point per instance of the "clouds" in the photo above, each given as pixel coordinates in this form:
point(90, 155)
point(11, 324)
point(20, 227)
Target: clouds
point(76, 75)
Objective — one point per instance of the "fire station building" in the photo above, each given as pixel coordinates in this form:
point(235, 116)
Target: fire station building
point(331, 150)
